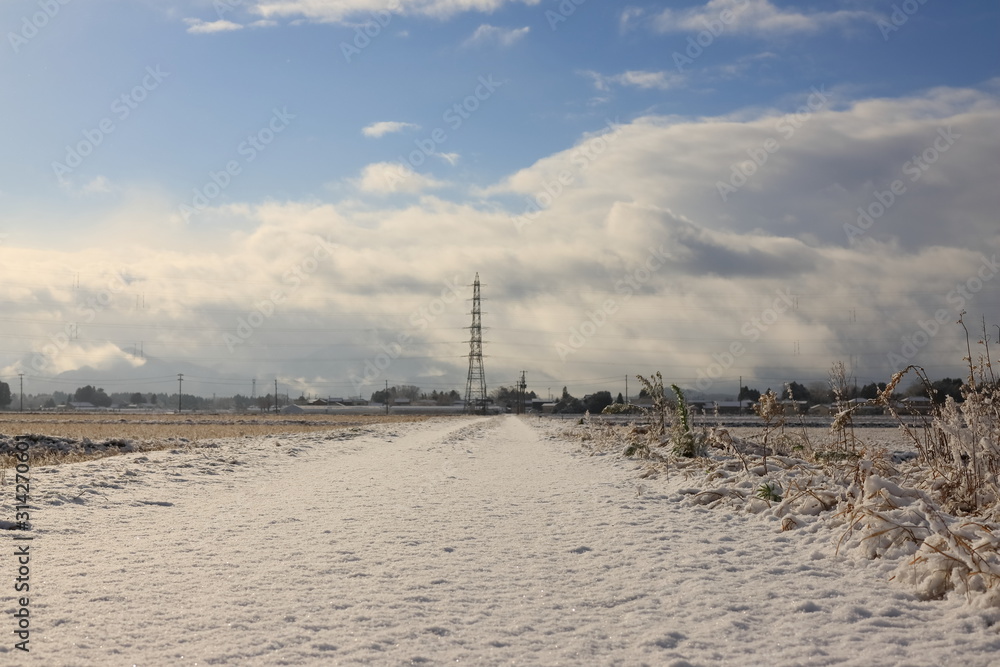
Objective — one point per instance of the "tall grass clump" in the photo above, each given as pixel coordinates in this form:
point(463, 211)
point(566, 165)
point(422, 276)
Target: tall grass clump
point(961, 443)
point(681, 437)
point(661, 408)
point(772, 413)
point(843, 423)
point(685, 440)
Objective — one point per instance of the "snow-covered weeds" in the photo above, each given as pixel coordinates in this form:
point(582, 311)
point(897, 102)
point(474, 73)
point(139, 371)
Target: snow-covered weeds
point(936, 515)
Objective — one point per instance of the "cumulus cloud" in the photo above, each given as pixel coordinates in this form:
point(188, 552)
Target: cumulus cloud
point(380, 129)
point(491, 34)
point(626, 227)
point(383, 178)
point(757, 17)
point(819, 163)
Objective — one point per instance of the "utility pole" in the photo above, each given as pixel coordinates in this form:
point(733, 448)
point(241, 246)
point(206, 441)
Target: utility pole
point(626, 390)
point(521, 387)
point(21, 376)
point(180, 390)
point(275, 395)
point(387, 397)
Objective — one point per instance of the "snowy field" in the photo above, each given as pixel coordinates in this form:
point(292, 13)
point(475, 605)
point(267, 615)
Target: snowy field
point(492, 541)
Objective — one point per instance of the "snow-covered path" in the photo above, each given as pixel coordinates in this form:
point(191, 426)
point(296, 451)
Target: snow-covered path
point(467, 540)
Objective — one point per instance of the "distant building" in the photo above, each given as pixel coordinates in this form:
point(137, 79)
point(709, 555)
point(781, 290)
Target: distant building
point(327, 401)
point(734, 407)
point(795, 407)
point(917, 404)
point(642, 401)
point(862, 407)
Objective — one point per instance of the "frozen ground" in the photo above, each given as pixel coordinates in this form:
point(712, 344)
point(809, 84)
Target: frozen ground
point(461, 541)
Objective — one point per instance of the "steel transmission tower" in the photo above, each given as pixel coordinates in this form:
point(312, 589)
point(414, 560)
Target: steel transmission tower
point(475, 387)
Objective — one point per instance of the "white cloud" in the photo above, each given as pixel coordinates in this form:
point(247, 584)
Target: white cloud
point(99, 185)
point(450, 158)
point(383, 178)
point(199, 27)
point(629, 18)
point(491, 34)
point(636, 79)
point(380, 129)
point(607, 203)
point(758, 17)
point(341, 11)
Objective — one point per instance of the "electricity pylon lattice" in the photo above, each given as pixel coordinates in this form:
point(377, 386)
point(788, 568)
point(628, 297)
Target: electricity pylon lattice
point(475, 387)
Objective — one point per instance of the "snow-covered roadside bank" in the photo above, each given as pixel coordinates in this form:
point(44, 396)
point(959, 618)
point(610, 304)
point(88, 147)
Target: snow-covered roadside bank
point(470, 540)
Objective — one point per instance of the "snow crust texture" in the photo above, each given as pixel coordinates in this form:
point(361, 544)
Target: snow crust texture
point(487, 541)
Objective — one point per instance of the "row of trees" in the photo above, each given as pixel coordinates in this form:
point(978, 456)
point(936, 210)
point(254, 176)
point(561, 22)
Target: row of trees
point(412, 394)
point(99, 397)
point(505, 397)
point(820, 392)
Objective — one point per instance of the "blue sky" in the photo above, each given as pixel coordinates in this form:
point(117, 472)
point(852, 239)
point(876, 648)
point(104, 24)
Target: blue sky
point(598, 122)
